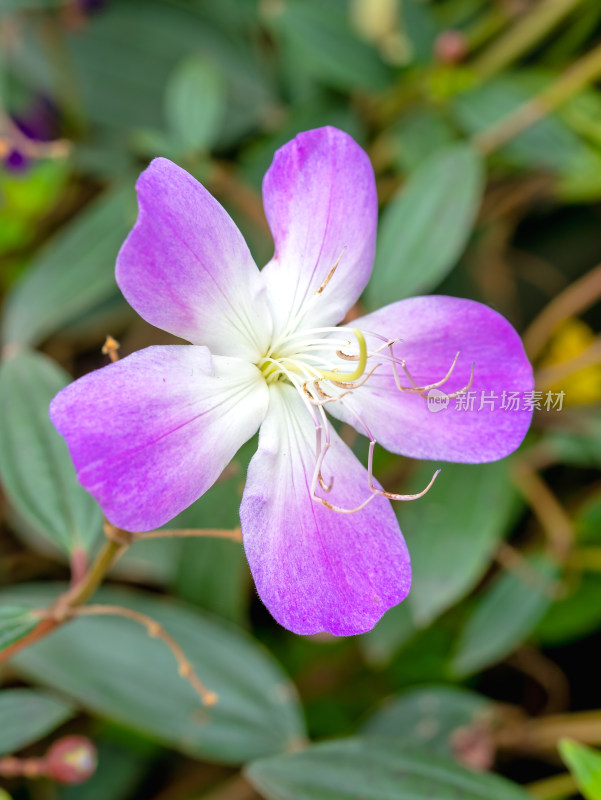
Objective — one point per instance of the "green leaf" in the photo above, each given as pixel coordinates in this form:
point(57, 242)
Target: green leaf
point(71, 274)
point(394, 630)
point(317, 34)
point(418, 136)
point(163, 35)
point(504, 616)
point(213, 573)
point(15, 623)
point(373, 769)
point(426, 225)
point(35, 467)
point(428, 716)
point(112, 667)
point(28, 715)
point(585, 765)
point(195, 103)
point(575, 615)
point(453, 532)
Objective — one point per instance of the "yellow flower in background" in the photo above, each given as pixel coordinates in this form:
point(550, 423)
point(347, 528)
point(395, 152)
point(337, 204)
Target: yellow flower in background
point(569, 340)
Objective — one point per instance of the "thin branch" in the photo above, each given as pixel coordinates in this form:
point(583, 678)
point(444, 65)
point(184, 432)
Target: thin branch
point(547, 508)
point(576, 78)
point(155, 631)
point(527, 31)
point(576, 298)
point(233, 534)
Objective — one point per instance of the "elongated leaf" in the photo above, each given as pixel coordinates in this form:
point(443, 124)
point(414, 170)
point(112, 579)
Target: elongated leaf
point(428, 716)
point(27, 715)
point(452, 533)
point(72, 273)
point(425, 227)
point(112, 667)
point(35, 467)
point(15, 623)
point(373, 769)
point(504, 617)
point(195, 103)
point(585, 766)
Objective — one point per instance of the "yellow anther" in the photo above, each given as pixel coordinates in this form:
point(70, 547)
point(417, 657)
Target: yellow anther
point(341, 377)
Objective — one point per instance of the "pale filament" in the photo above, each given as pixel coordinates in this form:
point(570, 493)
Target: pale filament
point(423, 390)
point(374, 490)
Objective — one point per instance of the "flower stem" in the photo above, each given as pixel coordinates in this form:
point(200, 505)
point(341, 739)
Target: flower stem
point(83, 590)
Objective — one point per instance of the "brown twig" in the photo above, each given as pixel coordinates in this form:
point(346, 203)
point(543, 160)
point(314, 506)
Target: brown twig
point(548, 510)
point(573, 300)
point(513, 561)
point(576, 78)
point(541, 734)
point(155, 631)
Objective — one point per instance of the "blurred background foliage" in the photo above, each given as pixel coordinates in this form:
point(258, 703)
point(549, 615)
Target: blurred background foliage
point(483, 122)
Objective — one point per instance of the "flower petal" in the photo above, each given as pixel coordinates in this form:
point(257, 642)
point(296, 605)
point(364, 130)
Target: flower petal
point(321, 205)
point(432, 330)
point(152, 432)
point(186, 268)
point(317, 569)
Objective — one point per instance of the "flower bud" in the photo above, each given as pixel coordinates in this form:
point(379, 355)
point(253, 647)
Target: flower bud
point(450, 47)
point(71, 759)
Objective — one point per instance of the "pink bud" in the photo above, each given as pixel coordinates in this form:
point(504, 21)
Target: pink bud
point(71, 759)
point(450, 47)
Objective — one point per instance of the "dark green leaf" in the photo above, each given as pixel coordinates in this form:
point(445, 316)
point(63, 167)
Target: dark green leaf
point(112, 667)
point(373, 769)
point(318, 35)
point(585, 764)
point(425, 227)
point(429, 716)
point(15, 623)
point(213, 573)
point(147, 47)
point(195, 103)
point(575, 615)
point(27, 715)
point(70, 275)
point(35, 467)
point(453, 532)
point(505, 615)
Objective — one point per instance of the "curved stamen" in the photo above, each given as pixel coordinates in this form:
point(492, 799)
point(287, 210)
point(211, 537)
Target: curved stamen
point(332, 375)
point(423, 390)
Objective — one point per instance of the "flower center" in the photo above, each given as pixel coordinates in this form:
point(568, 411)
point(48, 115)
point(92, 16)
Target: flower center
point(312, 356)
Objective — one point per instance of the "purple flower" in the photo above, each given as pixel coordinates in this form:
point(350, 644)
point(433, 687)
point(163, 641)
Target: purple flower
point(151, 433)
point(38, 122)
